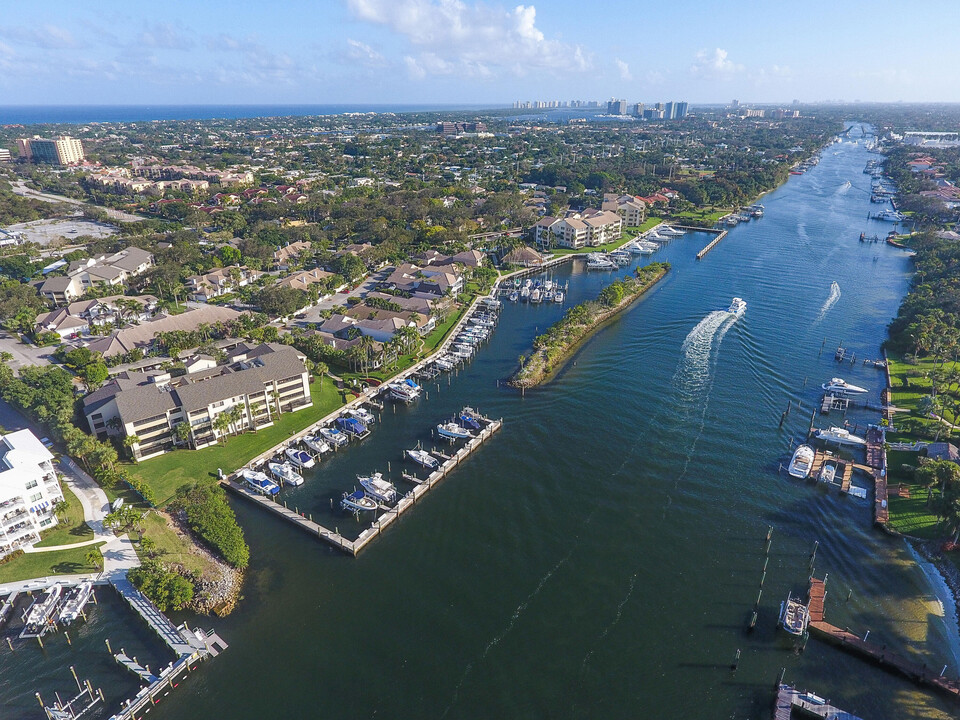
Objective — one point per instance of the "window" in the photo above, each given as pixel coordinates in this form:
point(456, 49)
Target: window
point(35, 497)
point(44, 523)
point(30, 485)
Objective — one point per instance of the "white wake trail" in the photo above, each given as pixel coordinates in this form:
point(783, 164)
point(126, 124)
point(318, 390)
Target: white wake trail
point(842, 190)
point(693, 373)
point(830, 301)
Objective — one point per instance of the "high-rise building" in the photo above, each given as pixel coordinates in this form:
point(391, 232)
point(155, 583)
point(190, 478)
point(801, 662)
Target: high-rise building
point(681, 109)
point(29, 490)
point(637, 110)
point(617, 107)
point(63, 150)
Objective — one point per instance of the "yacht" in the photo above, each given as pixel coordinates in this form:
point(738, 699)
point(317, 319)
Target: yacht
point(620, 257)
point(260, 482)
point(316, 444)
point(840, 435)
point(738, 307)
point(891, 216)
point(558, 296)
point(422, 457)
point(363, 415)
point(38, 617)
point(801, 463)
point(452, 431)
point(357, 501)
point(285, 473)
point(333, 436)
point(794, 616)
point(402, 392)
point(839, 385)
point(667, 231)
point(299, 457)
point(76, 599)
point(596, 261)
point(378, 488)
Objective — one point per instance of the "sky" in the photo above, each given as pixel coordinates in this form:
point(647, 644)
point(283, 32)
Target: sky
point(61, 52)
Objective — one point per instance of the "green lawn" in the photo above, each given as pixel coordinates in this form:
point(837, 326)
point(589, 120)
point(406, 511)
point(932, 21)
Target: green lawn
point(170, 547)
point(71, 528)
point(57, 562)
point(911, 382)
point(705, 216)
point(913, 517)
point(168, 472)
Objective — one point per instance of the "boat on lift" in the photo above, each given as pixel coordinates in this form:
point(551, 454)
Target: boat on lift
point(316, 444)
point(260, 482)
point(334, 436)
point(300, 458)
point(357, 501)
point(40, 613)
point(378, 488)
point(452, 431)
point(286, 473)
point(74, 603)
point(363, 415)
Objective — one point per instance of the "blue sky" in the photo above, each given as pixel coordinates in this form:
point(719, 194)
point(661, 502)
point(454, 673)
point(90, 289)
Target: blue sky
point(463, 51)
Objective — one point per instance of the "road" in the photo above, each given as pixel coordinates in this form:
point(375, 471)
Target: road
point(312, 315)
point(23, 354)
point(19, 188)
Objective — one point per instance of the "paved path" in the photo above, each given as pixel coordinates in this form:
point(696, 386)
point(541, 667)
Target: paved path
point(54, 548)
point(19, 188)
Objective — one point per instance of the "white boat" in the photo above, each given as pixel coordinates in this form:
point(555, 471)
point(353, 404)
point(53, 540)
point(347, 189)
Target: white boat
point(422, 457)
point(891, 216)
point(334, 436)
point(378, 488)
point(528, 283)
point(285, 473)
point(260, 482)
point(667, 231)
point(536, 296)
point(738, 307)
point(452, 431)
point(558, 296)
point(596, 261)
point(801, 463)
point(444, 364)
point(76, 599)
point(362, 414)
point(357, 501)
point(299, 458)
point(620, 257)
point(548, 285)
point(316, 444)
point(514, 296)
point(840, 435)
point(794, 616)
point(402, 392)
point(40, 612)
point(525, 293)
point(839, 385)
point(828, 473)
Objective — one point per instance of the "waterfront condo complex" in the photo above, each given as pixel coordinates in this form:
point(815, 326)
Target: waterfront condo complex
point(29, 490)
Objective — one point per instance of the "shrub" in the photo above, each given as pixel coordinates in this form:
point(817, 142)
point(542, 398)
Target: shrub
point(168, 590)
point(210, 516)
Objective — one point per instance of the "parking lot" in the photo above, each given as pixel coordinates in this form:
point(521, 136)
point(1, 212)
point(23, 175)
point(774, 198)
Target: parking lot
point(46, 231)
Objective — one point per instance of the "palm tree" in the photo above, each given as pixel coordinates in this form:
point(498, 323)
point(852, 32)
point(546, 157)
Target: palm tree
point(321, 369)
point(129, 441)
point(221, 423)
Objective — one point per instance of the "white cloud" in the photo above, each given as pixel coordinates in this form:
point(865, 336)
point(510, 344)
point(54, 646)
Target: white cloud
point(655, 77)
point(166, 36)
point(472, 38)
point(714, 64)
point(624, 69)
point(363, 53)
point(258, 64)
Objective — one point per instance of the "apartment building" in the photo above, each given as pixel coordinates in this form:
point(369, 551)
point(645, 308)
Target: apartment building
point(221, 281)
point(63, 150)
point(578, 230)
point(106, 270)
point(29, 490)
point(255, 386)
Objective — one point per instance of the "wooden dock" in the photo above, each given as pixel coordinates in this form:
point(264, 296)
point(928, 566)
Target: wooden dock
point(917, 672)
point(845, 468)
point(789, 698)
point(712, 244)
point(877, 462)
point(353, 547)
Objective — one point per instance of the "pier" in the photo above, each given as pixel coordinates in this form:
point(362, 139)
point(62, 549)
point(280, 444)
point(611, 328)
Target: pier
point(789, 698)
point(844, 475)
point(6, 610)
point(712, 244)
point(917, 672)
point(877, 465)
point(391, 514)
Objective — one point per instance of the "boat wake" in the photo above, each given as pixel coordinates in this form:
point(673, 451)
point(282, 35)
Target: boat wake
point(613, 623)
point(842, 190)
point(830, 301)
point(694, 373)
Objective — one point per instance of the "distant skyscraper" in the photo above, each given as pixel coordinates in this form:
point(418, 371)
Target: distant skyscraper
point(681, 109)
point(61, 151)
point(637, 110)
point(617, 107)
point(735, 104)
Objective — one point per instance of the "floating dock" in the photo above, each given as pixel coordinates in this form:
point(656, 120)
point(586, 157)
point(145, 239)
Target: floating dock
point(789, 698)
point(713, 243)
point(917, 672)
point(353, 547)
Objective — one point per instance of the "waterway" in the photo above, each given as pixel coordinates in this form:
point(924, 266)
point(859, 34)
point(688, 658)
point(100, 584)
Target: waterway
point(599, 557)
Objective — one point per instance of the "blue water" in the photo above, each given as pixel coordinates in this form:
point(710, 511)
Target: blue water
point(76, 114)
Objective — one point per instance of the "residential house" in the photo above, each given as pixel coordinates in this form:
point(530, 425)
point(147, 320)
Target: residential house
point(221, 281)
point(431, 281)
point(142, 336)
point(86, 317)
point(82, 275)
point(283, 256)
point(29, 490)
point(304, 279)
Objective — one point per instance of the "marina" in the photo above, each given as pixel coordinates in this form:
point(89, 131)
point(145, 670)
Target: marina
point(807, 704)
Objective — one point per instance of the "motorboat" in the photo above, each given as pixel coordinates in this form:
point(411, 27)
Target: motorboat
point(300, 458)
point(351, 426)
point(558, 296)
point(548, 285)
point(667, 231)
point(260, 482)
point(285, 473)
point(890, 216)
point(486, 322)
point(401, 392)
point(596, 261)
point(514, 296)
point(756, 210)
point(620, 257)
point(536, 296)
point(444, 364)
point(316, 444)
point(357, 501)
point(841, 436)
point(461, 352)
point(363, 415)
point(74, 603)
point(839, 385)
point(794, 616)
point(412, 385)
point(334, 436)
point(801, 463)
point(452, 431)
point(422, 457)
point(525, 293)
point(528, 283)
point(738, 307)
point(378, 488)
point(548, 295)
point(469, 421)
point(828, 473)
point(41, 611)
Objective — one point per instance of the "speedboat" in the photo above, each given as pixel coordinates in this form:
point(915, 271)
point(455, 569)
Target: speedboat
point(444, 364)
point(351, 426)
point(285, 473)
point(536, 296)
point(260, 482)
point(891, 216)
point(548, 284)
point(514, 296)
point(525, 293)
point(840, 435)
point(558, 296)
point(422, 457)
point(363, 415)
point(620, 257)
point(667, 231)
point(801, 463)
point(469, 421)
point(40, 612)
point(378, 488)
point(738, 307)
point(596, 261)
point(357, 501)
point(299, 458)
point(452, 431)
point(316, 444)
point(334, 436)
point(794, 616)
point(839, 385)
point(412, 385)
point(528, 283)
point(402, 392)
point(76, 600)
point(828, 473)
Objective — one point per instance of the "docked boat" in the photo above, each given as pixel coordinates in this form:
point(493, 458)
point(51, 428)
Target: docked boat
point(841, 436)
point(285, 473)
point(667, 231)
point(260, 482)
point(452, 431)
point(334, 436)
point(525, 293)
point(444, 363)
point(514, 296)
point(828, 473)
point(402, 392)
point(75, 601)
point(357, 501)
point(41, 611)
point(756, 210)
point(597, 262)
point(528, 283)
point(801, 463)
point(363, 415)
point(422, 457)
point(890, 216)
point(299, 458)
point(316, 444)
point(794, 616)
point(548, 285)
point(536, 296)
point(558, 296)
point(839, 385)
point(351, 426)
point(738, 307)
point(469, 421)
point(620, 257)
point(378, 488)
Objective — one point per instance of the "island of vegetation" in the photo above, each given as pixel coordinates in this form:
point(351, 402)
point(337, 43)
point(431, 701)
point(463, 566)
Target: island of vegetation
point(553, 347)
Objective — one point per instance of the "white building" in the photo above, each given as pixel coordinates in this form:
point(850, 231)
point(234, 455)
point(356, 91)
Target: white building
point(29, 489)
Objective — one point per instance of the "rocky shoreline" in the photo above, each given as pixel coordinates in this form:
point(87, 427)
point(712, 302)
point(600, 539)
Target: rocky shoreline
point(216, 591)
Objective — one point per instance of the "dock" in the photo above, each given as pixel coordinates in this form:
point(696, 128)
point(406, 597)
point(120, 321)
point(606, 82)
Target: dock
point(789, 698)
point(845, 468)
point(877, 463)
point(6, 610)
point(712, 244)
point(353, 547)
point(917, 672)
point(136, 668)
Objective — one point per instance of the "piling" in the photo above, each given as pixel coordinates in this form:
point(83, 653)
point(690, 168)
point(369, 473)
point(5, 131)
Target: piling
point(736, 660)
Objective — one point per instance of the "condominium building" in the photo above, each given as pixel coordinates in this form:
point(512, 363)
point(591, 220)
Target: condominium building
point(63, 150)
point(29, 490)
point(254, 387)
point(617, 107)
point(590, 228)
point(82, 275)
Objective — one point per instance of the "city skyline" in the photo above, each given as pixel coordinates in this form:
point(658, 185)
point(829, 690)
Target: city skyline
point(463, 51)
